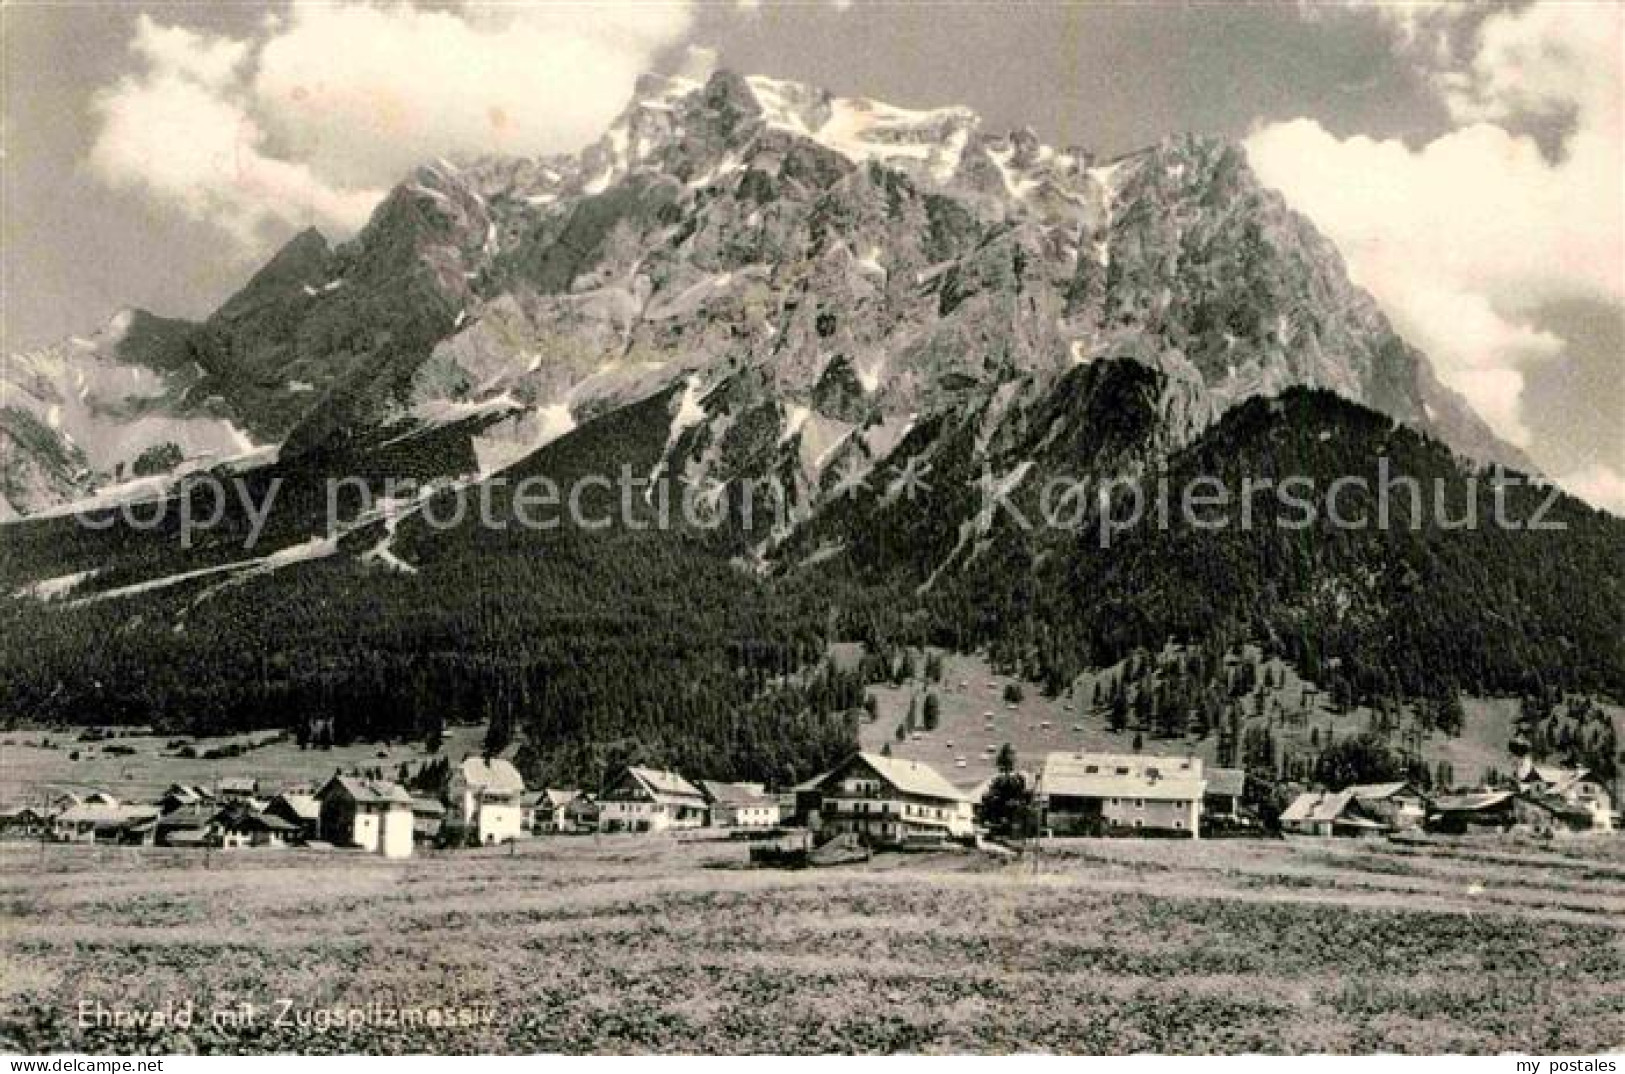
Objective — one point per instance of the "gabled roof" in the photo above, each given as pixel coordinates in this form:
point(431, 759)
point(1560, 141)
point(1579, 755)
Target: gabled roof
point(810, 784)
point(1559, 807)
point(663, 784)
point(428, 807)
point(735, 794)
point(1468, 803)
point(1376, 792)
point(303, 806)
point(97, 813)
point(1562, 780)
point(909, 777)
point(1227, 781)
point(1559, 777)
point(493, 774)
point(248, 820)
point(558, 798)
point(196, 815)
point(376, 791)
point(1318, 806)
point(1110, 775)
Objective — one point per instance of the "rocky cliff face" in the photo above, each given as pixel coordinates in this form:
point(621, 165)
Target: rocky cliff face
point(820, 275)
point(99, 410)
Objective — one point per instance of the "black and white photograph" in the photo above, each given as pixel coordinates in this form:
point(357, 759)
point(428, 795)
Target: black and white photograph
point(812, 528)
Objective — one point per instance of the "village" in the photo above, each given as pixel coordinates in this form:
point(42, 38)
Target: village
point(871, 801)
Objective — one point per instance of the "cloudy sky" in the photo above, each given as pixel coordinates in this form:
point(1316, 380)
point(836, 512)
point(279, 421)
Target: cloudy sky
point(1467, 159)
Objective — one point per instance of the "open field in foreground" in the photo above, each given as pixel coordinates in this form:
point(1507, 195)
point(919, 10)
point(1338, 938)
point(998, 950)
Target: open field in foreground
point(626, 944)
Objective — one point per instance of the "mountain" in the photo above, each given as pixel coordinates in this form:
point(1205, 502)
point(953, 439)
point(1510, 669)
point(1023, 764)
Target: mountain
point(123, 404)
point(863, 315)
point(855, 262)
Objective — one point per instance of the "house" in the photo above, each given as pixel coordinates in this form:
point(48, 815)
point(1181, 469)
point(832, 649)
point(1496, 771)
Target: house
point(1576, 786)
point(890, 802)
point(550, 813)
point(428, 817)
point(740, 805)
point(1130, 793)
point(799, 806)
point(1456, 814)
point(1547, 813)
point(1398, 805)
point(372, 814)
point(139, 832)
point(237, 826)
point(24, 822)
point(486, 799)
point(98, 822)
point(582, 813)
point(529, 802)
point(238, 788)
point(101, 798)
point(302, 811)
point(190, 825)
point(1225, 789)
point(1329, 813)
point(181, 795)
point(650, 800)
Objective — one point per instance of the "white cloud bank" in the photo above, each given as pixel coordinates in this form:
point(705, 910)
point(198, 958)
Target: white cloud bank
point(309, 122)
point(1461, 239)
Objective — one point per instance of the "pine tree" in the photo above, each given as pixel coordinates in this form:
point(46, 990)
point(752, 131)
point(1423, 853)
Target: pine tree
point(499, 734)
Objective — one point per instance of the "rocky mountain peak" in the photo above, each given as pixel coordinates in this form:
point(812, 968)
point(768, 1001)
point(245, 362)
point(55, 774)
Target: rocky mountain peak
point(867, 263)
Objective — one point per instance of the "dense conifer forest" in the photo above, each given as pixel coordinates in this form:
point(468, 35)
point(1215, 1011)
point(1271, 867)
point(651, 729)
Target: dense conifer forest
point(593, 649)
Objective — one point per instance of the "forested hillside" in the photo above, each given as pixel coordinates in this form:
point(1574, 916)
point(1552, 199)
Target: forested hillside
point(663, 646)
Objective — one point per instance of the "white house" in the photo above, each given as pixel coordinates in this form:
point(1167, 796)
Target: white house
point(1127, 793)
point(550, 813)
point(1397, 804)
point(740, 805)
point(1576, 786)
point(890, 801)
point(650, 800)
point(487, 798)
point(93, 822)
point(372, 814)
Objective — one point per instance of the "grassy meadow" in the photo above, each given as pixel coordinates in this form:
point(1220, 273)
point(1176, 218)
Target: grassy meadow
point(970, 690)
point(637, 944)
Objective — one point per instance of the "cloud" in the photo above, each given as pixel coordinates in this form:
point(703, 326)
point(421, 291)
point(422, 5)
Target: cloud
point(1462, 239)
point(175, 50)
point(511, 79)
point(1597, 485)
point(329, 104)
point(182, 134)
